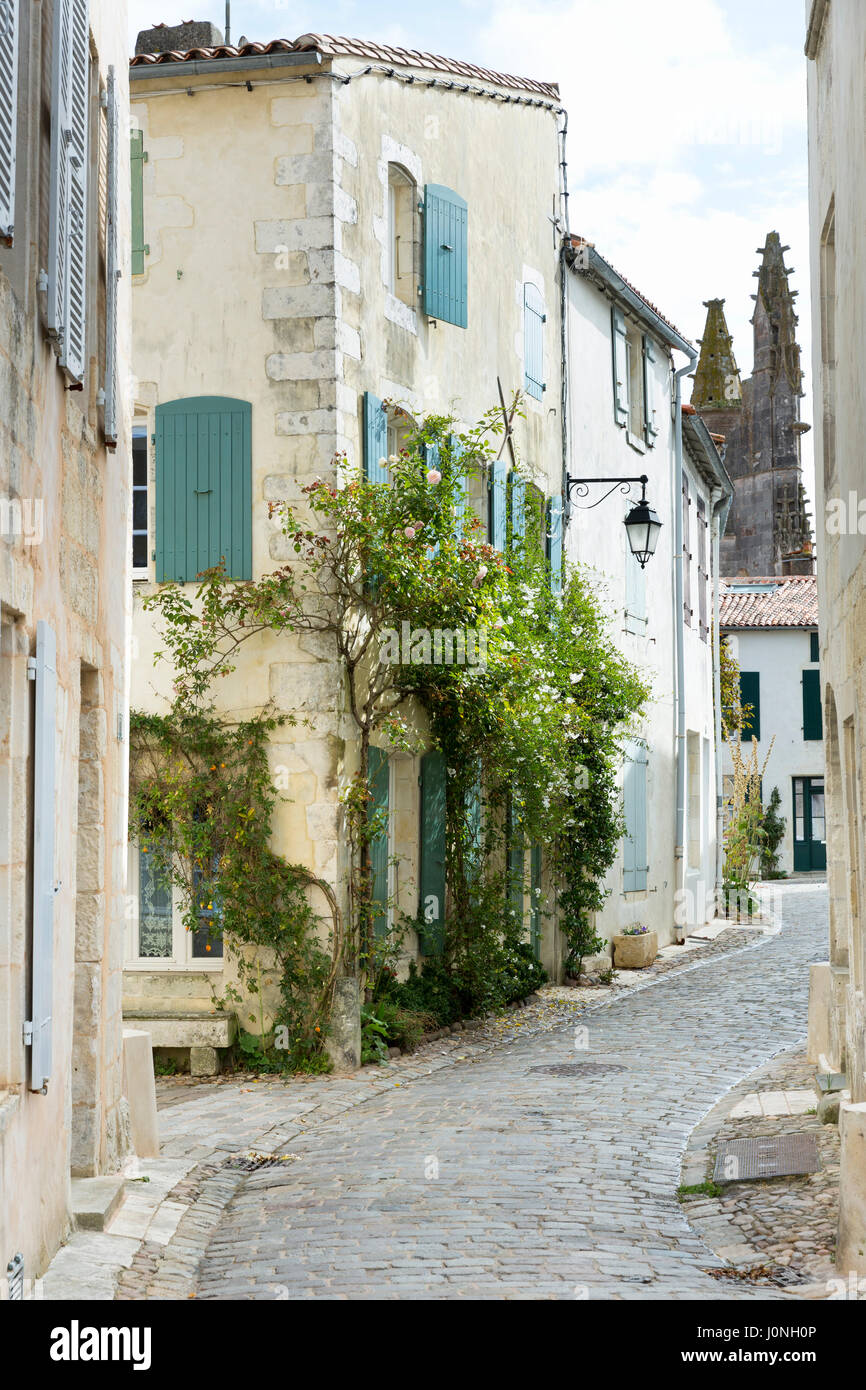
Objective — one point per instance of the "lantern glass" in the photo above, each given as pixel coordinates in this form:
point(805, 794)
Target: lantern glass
point(642, 527)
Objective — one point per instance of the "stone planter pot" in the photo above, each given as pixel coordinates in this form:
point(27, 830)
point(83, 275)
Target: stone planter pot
point(635, 952)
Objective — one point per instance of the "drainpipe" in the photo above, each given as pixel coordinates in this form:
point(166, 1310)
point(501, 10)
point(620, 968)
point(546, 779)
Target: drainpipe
point(679, 627)
point(721, 501)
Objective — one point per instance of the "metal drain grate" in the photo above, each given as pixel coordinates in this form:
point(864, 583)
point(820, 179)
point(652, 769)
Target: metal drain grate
point(578, 1069)
point(253, 1161)
point(773, 1156)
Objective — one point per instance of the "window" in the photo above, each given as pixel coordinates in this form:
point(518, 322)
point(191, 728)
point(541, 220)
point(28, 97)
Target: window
point(634, 383)
point(635, 866)
point(446, 268)
point(203, 488)
point(158, 936)
point(702, 569)
point(813, 726)
point(750, 694)
point(139, 501)
point(687, 556)
point(534, 319)
point(814, 649)
point(402, 235)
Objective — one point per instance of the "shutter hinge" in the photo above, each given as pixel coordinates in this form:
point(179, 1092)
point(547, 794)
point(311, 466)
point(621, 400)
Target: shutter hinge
point(27, 1032)
point(100, 396)
point(31, 668)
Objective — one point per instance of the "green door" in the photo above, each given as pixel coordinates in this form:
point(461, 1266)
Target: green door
point(810, 848)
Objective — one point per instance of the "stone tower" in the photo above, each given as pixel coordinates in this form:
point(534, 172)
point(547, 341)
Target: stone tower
point(768, 529)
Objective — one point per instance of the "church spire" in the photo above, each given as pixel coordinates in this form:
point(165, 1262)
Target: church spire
point(774, 319)
point(717, 379)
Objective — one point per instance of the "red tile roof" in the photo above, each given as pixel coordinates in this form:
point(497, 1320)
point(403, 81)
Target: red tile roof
point(332, 46)
point(578, 241)
point(790, 601)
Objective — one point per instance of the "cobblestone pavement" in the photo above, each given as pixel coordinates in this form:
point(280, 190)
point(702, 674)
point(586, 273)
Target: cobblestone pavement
point(503, 1172)
point(780, 1232)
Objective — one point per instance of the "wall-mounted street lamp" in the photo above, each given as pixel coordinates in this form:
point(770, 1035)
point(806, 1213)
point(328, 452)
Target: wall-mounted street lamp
point(642, 526)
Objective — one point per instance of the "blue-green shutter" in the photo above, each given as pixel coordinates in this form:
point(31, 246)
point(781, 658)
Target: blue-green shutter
point(650, 407)
point(750, 694)
point(554, 543)
point(431, 460)
point(813, 724)
point(535, 900)
point(138, 159)
point(473, 818)
point(378, 776)
point(461, 486)
point(203, 488)
point(619, 344)
point(498, 504)
point(375, 439)
point(445, 255)
point(432, 868)
point(517, 511)
point(534, 319)
point(635, 864)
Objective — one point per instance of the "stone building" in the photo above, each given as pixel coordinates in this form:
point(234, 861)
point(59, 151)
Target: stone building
point(768, 530)
point(836, 53)
point(289, 280)
point(64, 609)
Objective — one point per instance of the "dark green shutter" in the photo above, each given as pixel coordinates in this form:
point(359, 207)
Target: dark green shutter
point(375, 439)
point(813, 725)
point(533, 341)
point(750, 694)
point(497, 503)
point(432, 874)
point(814, 653)
point(378, 781)
point(445, 255)
point(517, 510)
point(635, 864)
point(554, 543)
point(203, 487)
point(137, 159)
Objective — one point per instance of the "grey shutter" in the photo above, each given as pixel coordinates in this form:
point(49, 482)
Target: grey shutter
point(533, 341)
point(687, 555)
point(650, 409)
point(620, 367)
point(112, 273)
point(43, 856)
point(67, 273)
point(635, 811)
point(8, 115)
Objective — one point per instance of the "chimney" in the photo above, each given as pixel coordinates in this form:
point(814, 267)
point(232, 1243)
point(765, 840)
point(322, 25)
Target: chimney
point(167, 38)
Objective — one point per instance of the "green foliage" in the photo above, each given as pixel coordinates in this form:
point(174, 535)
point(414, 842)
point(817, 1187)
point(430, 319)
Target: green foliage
point(773, 827)
point(700, 1189)
point(374, 1036)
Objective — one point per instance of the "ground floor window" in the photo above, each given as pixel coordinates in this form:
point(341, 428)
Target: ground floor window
point(157, 934)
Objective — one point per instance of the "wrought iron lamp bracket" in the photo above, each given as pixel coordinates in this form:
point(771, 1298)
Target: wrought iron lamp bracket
point(579, 487)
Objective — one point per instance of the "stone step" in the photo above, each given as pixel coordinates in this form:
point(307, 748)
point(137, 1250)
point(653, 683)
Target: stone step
point(95, 1200)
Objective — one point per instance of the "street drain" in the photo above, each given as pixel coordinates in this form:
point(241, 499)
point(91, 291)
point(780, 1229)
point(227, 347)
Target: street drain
point(578, 1068)
point(253, 1162)
point(773, 1156)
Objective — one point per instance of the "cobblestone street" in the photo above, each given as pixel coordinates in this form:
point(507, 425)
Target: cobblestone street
point(545, 1168)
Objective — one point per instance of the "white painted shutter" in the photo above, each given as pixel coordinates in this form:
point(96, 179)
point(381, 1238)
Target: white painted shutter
point(112, 274)
point(8, 115)
point(650, 394)
point(620, 367)
point(43, 856)
point(67, 271)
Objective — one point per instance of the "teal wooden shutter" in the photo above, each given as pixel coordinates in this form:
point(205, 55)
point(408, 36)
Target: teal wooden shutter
point(554, 543)
point(813, 724)
point(378, 780)
point(517, 512)
point(432, 868)
point(498, 503)
point(445, 255)
point(375, 439)
point(650, 404)
point(635, 865)
point(137, 161)
point(534, 319)
point(461, 486)
point(39, 1029)
point(535, 900)
point(432, 460)
point(750, 694)
point(619, 341)
point(203, 487)
point(8, 115)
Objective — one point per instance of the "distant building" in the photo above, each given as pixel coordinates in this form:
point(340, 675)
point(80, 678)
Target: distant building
point(772, 628)
point(836, 49)
point(768, 530)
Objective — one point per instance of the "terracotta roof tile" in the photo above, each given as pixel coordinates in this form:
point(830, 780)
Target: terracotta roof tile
point(337, 47)
point(578, 241)
point(790, 601)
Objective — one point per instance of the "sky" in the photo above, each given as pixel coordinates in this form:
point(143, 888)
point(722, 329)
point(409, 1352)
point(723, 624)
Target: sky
point(687, 125)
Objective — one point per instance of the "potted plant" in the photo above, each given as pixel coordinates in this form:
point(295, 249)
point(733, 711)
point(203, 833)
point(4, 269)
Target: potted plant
point(635, 947)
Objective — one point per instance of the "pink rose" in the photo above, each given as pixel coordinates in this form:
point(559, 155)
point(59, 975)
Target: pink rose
point(434, 477)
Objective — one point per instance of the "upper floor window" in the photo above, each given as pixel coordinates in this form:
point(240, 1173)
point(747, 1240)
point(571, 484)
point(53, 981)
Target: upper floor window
point(635, 388)
point(534, 319)
point(139, 501)
point(402, 235)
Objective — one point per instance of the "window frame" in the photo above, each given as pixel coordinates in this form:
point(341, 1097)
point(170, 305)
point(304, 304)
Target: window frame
point(181, 958)
point(140, 431)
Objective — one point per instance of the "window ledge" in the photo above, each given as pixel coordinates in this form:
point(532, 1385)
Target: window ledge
point(401, 314)
point(636, 442)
